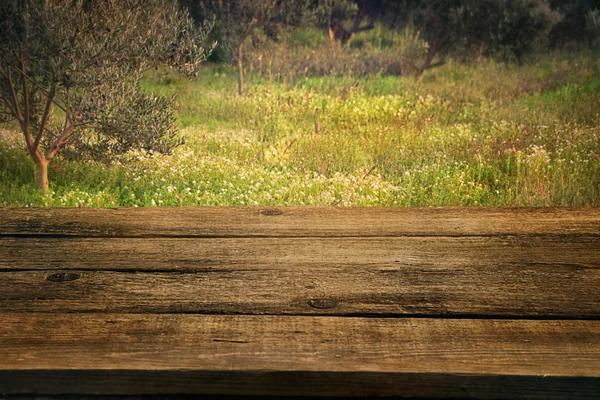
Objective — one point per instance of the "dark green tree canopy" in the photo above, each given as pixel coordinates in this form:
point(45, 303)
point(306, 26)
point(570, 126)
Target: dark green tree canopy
point(508, 28)
point(70, 71)
point(577, 24)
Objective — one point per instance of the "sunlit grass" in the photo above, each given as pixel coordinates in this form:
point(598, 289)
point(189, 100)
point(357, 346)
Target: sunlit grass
point(483, 135)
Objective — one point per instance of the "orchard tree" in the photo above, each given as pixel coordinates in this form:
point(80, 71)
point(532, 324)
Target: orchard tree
point(593, 22)
point(333, 15)
point(343, 18)
point(239, 19)
point(506, 27)
point(579, 22)
point(70, 72)
point(520, 26)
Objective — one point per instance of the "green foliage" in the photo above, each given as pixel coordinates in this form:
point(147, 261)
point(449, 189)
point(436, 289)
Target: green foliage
point(309, 38)
point(412, 50)
point(70, 71)
point(510, 28)
point(406, 45)
point(524, 26)
point(333, 15)
point(344, 18)
point(575, 28)
point(131, 118)
point(240, 20)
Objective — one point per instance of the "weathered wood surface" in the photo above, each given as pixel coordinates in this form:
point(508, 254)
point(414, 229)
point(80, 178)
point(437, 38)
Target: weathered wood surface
point(299, 221)
point(495, 277)
point(132, 353)
point(471, 303)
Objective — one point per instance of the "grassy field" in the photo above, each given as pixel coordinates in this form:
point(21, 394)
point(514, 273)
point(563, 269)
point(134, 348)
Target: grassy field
point(480, 135)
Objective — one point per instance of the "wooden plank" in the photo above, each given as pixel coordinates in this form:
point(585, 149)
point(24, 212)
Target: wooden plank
point(516, 277)
point(299, 221)
point(507, 293)
point(198, 254)
point(135, 354)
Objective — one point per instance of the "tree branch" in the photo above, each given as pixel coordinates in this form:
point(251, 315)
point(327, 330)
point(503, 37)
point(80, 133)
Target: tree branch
point(19, 115)
point(26, 108)
point(41, 89)
point(55, 147)
point(438, 63)
point(18, 56)
point(367, 27)
point(8, 102)
point(40, 133)
point(357, 20)
point(356, 26)
point(253, 24)
point(13, 95)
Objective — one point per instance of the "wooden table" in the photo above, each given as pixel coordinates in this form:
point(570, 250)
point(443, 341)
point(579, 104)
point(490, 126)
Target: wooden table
point(472, 303)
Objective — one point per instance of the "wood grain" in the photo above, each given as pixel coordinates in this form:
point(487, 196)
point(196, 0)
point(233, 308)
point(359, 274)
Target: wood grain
point(484, 276)
point(299, 221)
point(198, 254)
point(509, 291)
point(447, 303)
point(296, 355)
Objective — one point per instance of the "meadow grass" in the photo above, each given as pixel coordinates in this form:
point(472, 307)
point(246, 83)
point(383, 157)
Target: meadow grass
point(482, 135)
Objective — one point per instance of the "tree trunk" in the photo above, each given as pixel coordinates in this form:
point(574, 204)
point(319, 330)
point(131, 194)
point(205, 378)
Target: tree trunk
point(331, 35)
point(240, 67)
point(41, 174)
point(430, 55)
point(346, 36)
point(480, 55)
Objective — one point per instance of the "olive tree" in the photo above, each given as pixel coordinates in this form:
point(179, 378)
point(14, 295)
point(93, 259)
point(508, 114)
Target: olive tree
point(509, 28)
point(333, 16)
point(579, 23)
point(70, 72)
point(239, 19)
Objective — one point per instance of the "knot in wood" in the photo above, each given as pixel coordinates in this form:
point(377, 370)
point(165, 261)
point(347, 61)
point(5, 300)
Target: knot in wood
point(271, 212)
point(63, 277)
point(322, 303)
